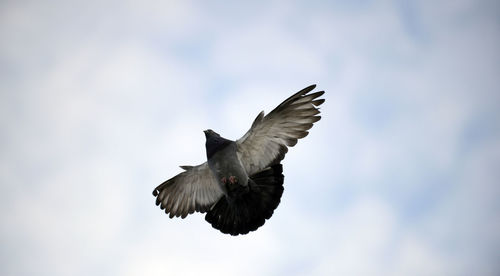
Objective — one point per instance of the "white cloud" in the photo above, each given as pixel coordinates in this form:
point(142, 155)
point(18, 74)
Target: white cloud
point(359, 240)
point(415, 256)
point(99, 107)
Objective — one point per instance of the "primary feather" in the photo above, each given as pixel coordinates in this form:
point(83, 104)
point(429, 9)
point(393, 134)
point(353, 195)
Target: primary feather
point(267, 140)
point(195, 189)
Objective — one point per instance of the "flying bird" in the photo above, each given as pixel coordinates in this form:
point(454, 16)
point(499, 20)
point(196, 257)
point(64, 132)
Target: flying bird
point(241, 184)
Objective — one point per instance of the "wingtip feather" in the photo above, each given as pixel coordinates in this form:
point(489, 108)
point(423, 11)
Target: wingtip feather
point(310, 87)
point(318, 102)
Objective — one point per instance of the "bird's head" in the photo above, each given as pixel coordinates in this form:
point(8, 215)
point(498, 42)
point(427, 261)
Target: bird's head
point(214, 142)
point(210, 134)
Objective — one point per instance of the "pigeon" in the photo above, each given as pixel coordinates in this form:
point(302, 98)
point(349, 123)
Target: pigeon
point(241, 184)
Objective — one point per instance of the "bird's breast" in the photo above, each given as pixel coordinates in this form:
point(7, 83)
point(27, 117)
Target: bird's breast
point(225, 164)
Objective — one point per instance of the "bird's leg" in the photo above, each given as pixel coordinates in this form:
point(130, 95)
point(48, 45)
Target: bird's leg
point(233, 187)
point(224, 180)
point(233, 179)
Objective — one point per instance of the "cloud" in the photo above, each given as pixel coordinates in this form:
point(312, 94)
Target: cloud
point(102, 102)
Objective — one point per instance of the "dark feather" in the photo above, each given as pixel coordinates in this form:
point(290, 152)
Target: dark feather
point(250, 210)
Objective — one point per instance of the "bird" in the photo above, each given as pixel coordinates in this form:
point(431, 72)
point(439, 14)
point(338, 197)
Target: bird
point(241, 183)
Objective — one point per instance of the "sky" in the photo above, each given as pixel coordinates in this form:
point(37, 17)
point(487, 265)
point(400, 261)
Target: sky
point(101, 101)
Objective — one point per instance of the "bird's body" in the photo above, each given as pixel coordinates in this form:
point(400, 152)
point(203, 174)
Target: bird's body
point(227, 168)
point(241, 184)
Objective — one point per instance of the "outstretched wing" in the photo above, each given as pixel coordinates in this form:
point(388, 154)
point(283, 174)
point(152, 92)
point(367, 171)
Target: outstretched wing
point(267, 140)
point(195, 189)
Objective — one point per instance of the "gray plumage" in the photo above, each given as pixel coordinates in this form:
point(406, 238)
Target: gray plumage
point(241, 183)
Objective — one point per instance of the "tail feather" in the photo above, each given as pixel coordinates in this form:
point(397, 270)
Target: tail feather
point(250, 210)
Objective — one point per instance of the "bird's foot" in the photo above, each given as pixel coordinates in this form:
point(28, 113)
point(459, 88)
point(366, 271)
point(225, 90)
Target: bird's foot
point(224, 180)
point(233, 179)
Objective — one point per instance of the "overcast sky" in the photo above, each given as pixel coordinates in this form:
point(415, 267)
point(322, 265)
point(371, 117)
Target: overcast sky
point(101, 101)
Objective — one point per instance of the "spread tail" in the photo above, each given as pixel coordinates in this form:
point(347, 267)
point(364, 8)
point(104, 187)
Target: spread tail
point(249, 211)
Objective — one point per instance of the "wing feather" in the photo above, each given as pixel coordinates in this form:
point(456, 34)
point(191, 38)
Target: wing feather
point(195, 189)
point(269, 137)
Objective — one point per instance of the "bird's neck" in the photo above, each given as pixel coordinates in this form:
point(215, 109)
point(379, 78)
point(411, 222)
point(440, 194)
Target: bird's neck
point(214, 144)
